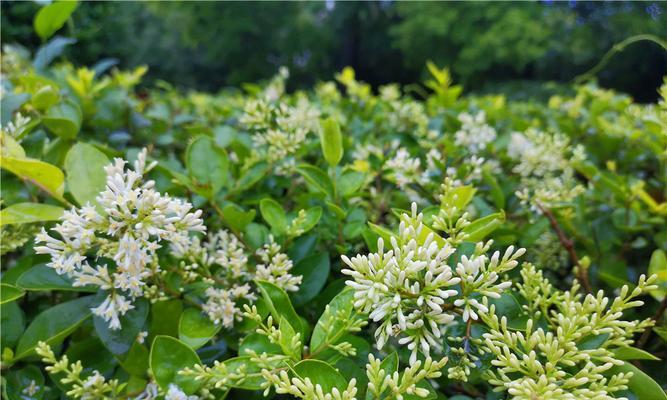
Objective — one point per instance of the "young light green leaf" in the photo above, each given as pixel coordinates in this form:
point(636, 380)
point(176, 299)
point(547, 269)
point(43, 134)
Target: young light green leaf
point(658, 266)
point(84, 166)
point(332, 141)
point(481, 228)
point(52, 17)
point(46, 176)
point(633, 353)
point(26, 213)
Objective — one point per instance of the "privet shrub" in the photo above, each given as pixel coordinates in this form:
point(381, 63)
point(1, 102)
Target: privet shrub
point(331, 244)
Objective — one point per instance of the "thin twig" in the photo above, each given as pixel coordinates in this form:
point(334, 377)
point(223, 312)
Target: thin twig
point(658, 315)
point(568, 244)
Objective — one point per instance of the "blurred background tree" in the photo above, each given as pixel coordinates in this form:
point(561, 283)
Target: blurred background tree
point(511, 48)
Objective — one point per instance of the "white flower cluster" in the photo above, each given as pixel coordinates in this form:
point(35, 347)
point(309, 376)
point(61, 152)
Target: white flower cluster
point(304, 388)
point(128, 227)
point(475, 134)
point(556, 362)
point(405, 170)
point(545, 164)
point(17, 127)
point(222, 261)
point(280, 130)
point(413, 290)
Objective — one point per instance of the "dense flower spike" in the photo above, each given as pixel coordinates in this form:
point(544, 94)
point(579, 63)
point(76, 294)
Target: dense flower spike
point(555, 361)
point(127, 227)
point(412, 290)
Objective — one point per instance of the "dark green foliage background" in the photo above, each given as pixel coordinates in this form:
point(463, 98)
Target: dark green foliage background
point(489, 46)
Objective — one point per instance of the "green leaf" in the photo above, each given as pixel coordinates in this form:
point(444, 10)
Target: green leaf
point(236, 217)
point(25, 213)
point(54, 324)
point(481, 228)
point(165, 316)
point(258, 343)
point(195, 329)
point(339, 310)
point(332, 141)
point(12, 324)
point(42, 277)
point(313, 216)
point(252, 372)
point(63, 119)
point(253, 175)
point(315, 271)
point(52, 17)
point(642, 385)
point(17, 381)
point(633, 353)
point(273, 214)
point(350, 182)
point(458, 197)
point(47, 53)
point(317, 179)
point(10, 293)
point(495, 190)
point(658, 266)
point(287, 332)
point(278, 303)
point(321, 373)
point(168, 356)
point(84, 165)
point(207, 164)
point(119, 341)
point(46, 176)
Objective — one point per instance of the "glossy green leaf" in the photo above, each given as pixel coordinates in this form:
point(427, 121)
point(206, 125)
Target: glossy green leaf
point(332, 141)
point(52, 17)
point(658, 266)
point(317, 179)
point(12, 324)
point(633, 353)
point(54, 324)
point(168, 356)
point(320, 373)
point(259, 344)
point(479, 229)
point(10, 293)
point(25, 213)
point(278, 302)
point(236, 217)
point(315, 270)
point(313, 216)
point(207, 164)
point(119, 341)
point(350, 183)
point(340, 310)
point(41, 277)
point(84, 166)
point(63, 119)
point(195, 328)
point(273, 214)
point(165, 316)
point(642, 385)
point(44, 175)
